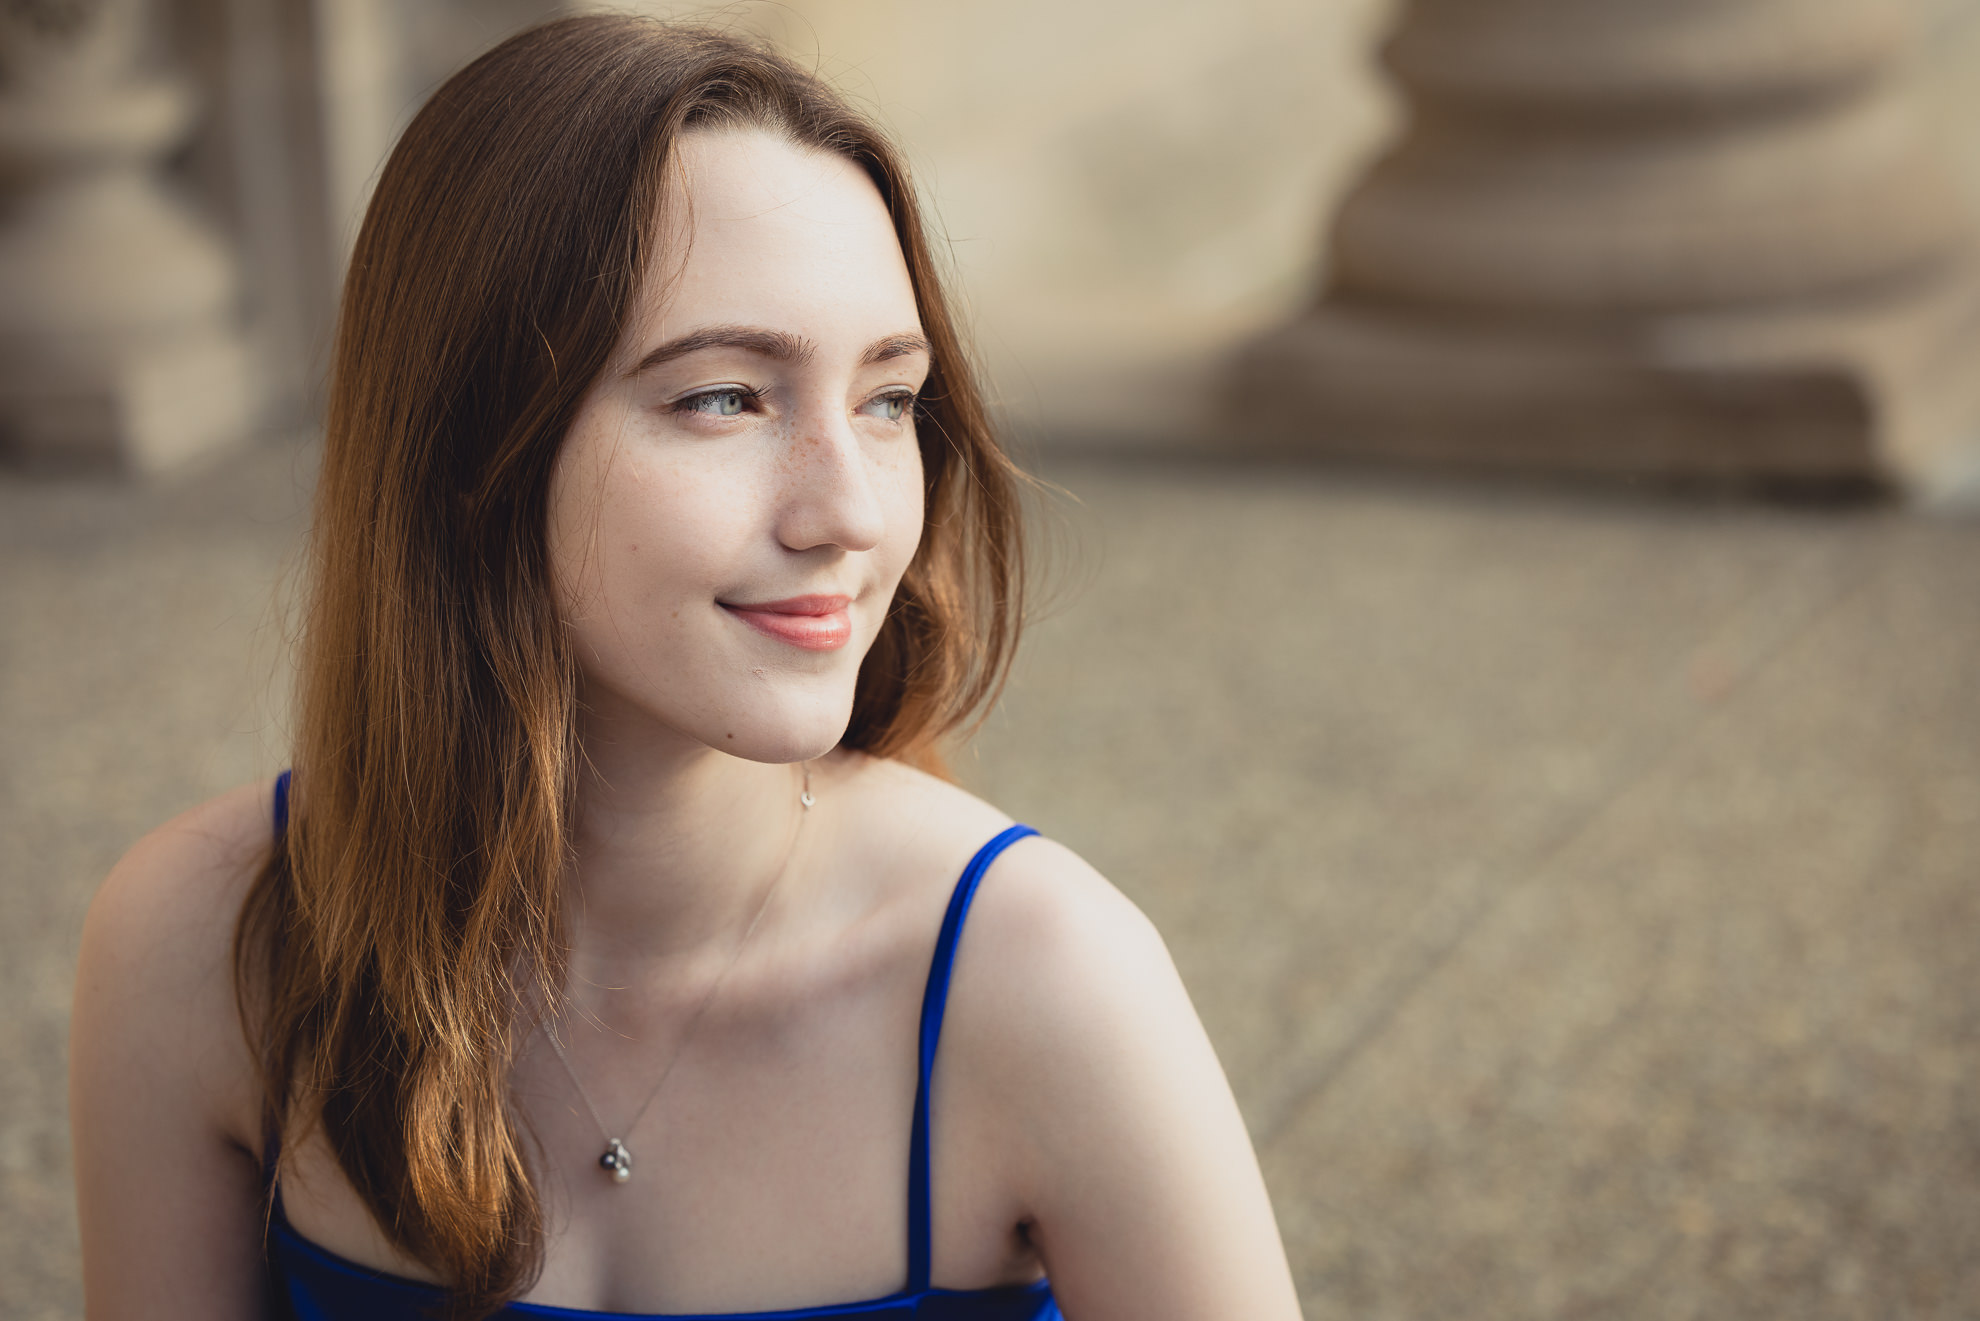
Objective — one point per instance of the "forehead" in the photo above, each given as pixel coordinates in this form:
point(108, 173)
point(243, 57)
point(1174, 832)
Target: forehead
point(762, 232)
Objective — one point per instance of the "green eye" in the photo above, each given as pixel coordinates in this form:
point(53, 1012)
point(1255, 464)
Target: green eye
point(892, 407)
point(729, 401)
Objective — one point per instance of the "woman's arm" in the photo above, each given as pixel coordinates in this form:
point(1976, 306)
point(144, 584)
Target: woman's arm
point(1145, 1193)
point(161, 1092)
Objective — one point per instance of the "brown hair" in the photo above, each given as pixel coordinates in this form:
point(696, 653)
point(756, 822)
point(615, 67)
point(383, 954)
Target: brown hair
point(411, 910)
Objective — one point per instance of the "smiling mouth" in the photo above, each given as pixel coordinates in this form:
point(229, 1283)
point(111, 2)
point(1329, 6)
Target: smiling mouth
point(813, 623)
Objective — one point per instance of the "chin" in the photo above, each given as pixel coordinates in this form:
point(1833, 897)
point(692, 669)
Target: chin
point(757, 707)
point(782, 728)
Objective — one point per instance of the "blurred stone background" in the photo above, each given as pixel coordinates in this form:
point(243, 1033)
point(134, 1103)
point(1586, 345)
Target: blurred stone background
point(1576, 877)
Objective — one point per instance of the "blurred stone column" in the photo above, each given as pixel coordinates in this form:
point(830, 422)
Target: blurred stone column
point(1682, 237)
point(120, 345)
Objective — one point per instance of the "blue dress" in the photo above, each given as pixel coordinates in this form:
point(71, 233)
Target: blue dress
point(319, 1285)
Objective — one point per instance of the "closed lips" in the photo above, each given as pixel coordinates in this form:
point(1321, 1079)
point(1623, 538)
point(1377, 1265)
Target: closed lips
point(814, 623)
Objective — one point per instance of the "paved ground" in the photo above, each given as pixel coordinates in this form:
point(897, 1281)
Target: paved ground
point(1579, 888)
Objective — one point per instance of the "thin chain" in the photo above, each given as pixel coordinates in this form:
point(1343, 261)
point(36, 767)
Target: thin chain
point(582, 1094)
point(763, 905)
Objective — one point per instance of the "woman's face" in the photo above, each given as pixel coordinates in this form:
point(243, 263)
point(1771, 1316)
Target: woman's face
point(741, 489)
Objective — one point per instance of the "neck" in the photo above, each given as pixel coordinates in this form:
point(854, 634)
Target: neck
point(675, 845)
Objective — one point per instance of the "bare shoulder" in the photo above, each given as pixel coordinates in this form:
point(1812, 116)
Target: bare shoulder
point(1059, 969)
point(168, 907)
point(1101, 1097)
point(1057, 972)
point(1041, 910)
point(163, 1100)
point(1079, 1082)
point(154, 986)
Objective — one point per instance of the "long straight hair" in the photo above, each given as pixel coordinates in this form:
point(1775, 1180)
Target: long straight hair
point(387, 953)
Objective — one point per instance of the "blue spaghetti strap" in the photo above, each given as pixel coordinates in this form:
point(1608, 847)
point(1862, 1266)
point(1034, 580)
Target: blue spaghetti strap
point(934, 1001)
point(271, 1140)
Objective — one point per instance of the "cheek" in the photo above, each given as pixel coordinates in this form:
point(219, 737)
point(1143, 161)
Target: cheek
point(663, 542)
point(901, 487)
point(632, 539)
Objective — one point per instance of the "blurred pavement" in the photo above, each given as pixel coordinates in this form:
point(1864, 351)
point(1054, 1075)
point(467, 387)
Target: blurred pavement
point(1579, 887)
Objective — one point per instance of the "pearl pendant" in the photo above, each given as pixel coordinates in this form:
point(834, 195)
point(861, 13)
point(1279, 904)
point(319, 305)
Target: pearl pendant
point(617, 1161)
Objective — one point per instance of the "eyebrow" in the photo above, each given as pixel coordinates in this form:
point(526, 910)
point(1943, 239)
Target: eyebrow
point(774, 344)
point(895, 346)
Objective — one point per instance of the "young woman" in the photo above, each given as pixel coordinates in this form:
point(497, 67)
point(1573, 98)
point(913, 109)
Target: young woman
point(605, 952)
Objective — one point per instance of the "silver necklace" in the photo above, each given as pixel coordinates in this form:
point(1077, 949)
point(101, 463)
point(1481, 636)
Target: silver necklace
point(616, 1159)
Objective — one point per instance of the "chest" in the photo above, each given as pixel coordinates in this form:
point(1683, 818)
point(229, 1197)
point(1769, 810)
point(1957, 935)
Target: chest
point(770, 1168)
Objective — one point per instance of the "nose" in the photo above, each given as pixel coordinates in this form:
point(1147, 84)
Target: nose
point(830, 495)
